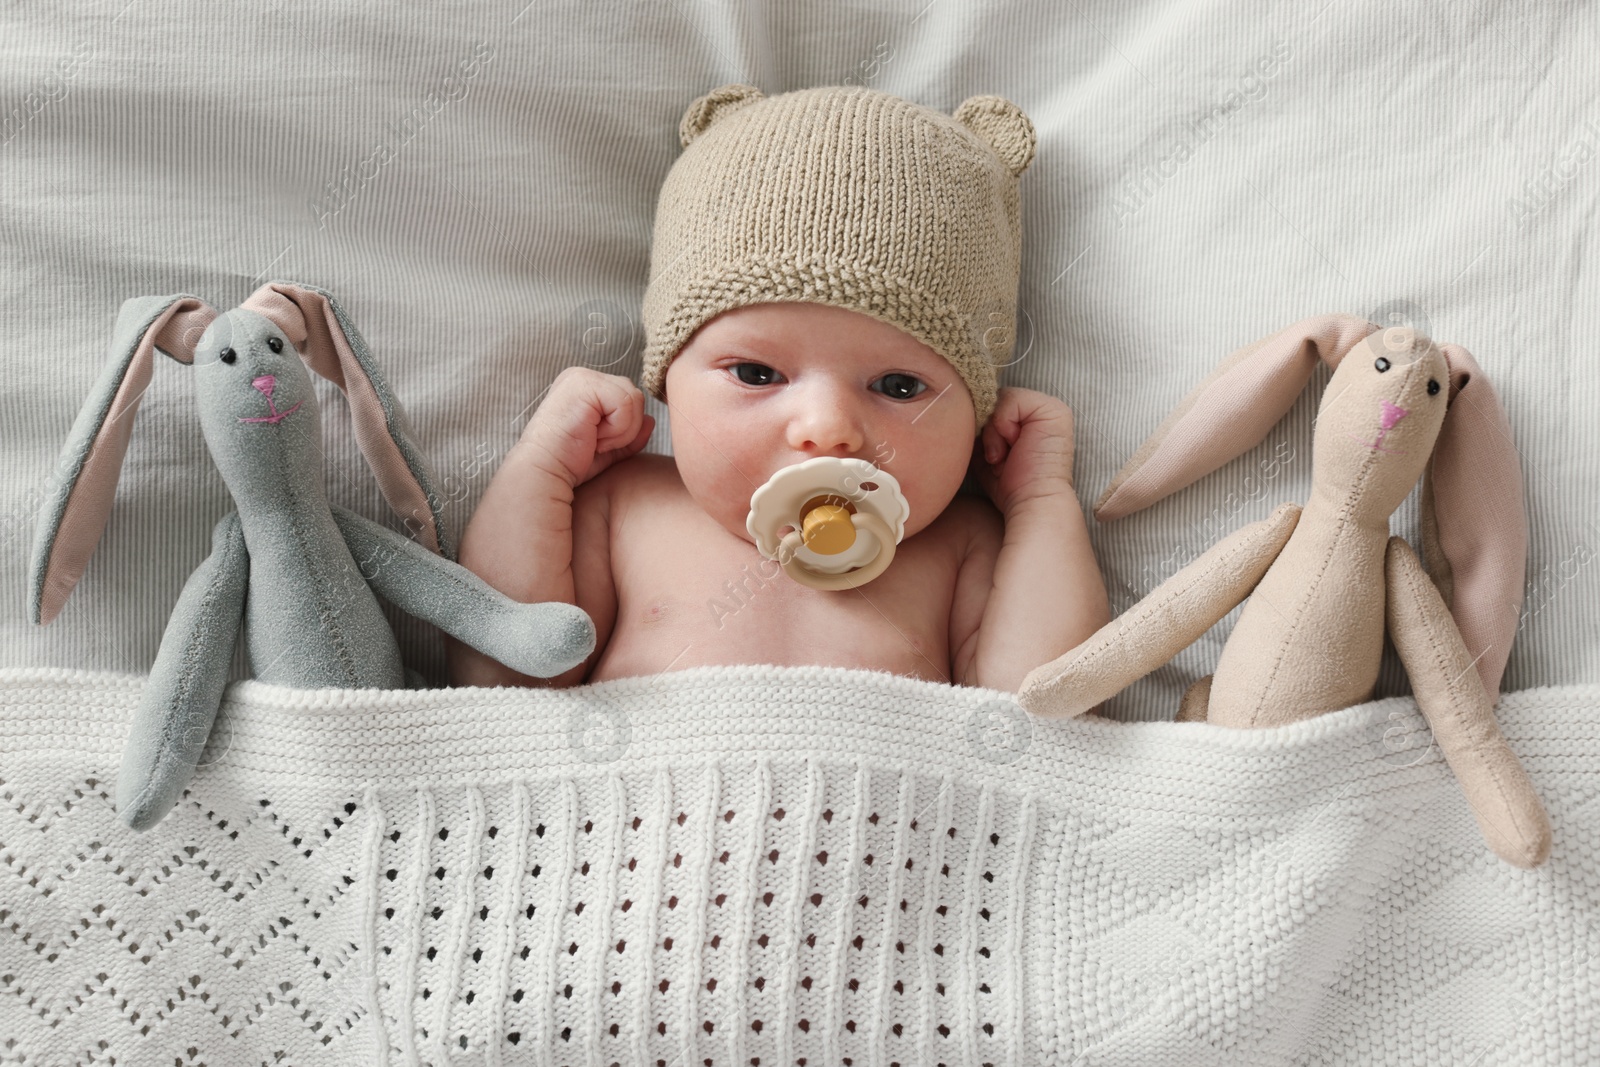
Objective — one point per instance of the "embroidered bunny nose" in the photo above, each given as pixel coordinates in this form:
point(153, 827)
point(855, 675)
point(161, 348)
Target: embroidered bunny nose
point(1391, 414)
point(265, 384)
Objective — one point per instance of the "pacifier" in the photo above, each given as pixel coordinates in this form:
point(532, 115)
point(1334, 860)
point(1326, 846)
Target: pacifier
point(831, 523)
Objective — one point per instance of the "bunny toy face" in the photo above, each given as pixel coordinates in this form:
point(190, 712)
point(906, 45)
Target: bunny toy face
point(1378, 422)
point(257, 407)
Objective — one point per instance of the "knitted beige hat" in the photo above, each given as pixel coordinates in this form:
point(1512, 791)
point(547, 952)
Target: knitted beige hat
point(845, 196)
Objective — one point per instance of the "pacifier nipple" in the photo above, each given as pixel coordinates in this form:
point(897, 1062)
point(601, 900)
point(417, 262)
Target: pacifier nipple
point(827, 530)
point(832, 523)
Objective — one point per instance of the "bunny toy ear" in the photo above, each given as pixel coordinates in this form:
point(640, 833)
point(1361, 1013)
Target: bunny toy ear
point(74, 516)
point(1229, 412)
point(1474, 529)
point(333, 347)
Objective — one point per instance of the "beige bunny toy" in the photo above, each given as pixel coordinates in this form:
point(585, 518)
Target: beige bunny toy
point(1327, 581)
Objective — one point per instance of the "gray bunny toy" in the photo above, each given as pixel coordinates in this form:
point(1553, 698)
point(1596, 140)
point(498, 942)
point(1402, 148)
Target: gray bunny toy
point(299, 573)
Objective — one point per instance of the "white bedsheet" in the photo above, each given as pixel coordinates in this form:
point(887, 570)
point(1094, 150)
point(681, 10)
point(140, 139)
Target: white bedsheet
point(477, 187)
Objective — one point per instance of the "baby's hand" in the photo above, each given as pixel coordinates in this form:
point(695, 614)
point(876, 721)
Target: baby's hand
point(1025, 450)
point(587, 422)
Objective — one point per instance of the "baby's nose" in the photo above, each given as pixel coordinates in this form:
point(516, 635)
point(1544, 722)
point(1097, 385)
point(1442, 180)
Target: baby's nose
point(829, 434)
point(827, 420)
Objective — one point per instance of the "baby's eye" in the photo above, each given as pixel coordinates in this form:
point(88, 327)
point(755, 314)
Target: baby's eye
point(903, 386)
point(762, 374)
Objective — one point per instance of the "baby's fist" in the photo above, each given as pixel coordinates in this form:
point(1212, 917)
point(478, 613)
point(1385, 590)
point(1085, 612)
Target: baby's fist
point(1025, 449)
point(586, 422)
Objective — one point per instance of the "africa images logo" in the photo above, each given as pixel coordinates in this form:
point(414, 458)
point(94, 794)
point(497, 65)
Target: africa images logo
point(339, 191)
point(1141, 186)
point(50, 89)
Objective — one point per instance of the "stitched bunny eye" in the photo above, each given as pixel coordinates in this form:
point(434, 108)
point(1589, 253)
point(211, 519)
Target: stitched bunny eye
point(1382, 364)
point(275, 344)
point(228, 355)
point(1433, 387)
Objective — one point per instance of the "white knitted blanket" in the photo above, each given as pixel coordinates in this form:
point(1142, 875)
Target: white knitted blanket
point(773, 866)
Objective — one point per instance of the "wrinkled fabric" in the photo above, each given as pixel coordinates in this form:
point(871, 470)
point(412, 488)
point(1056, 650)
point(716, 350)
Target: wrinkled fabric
point(476, 186)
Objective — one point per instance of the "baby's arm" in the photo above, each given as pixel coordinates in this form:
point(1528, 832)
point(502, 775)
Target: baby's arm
point(1033, 575)
point(1044, 592)
point(548, 498)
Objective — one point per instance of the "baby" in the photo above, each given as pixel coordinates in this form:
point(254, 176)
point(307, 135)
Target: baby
point(833, 273)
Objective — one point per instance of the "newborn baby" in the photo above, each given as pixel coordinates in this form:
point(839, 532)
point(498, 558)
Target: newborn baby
point(790, 354)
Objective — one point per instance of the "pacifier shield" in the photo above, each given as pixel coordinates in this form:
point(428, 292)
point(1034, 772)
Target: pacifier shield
point(818, 498)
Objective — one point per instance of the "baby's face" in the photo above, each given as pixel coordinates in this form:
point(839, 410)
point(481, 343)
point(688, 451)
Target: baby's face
point(767, 386)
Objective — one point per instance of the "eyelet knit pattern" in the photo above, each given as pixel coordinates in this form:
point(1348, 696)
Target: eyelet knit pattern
point(849, 197)
point(764, 865)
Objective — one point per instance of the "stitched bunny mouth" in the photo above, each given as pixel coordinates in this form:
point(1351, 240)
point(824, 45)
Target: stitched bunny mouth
point(1377, 446)
point(264, 385)
point(1391, 414)
point(276, 416)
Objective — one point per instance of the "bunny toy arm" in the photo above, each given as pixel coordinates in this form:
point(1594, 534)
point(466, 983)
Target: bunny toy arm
point(181, 697)
point(1460, 713)
point(1161, 625)
point(542, 640)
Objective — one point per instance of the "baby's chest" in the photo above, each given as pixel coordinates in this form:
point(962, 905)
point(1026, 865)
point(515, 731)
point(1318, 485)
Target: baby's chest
point(725, 604)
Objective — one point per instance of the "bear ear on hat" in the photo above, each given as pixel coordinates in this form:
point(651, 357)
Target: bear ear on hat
point(712, 106)
point(1003, 126)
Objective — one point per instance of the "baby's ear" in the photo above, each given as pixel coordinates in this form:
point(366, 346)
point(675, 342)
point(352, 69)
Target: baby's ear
point(712, 106)
point(1003, 126)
